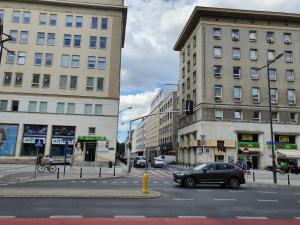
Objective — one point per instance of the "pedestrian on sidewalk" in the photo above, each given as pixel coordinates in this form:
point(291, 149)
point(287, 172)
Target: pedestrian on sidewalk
point(165, 163)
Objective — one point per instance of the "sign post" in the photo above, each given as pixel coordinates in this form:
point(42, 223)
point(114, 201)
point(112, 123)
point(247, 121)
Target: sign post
point(37, 143)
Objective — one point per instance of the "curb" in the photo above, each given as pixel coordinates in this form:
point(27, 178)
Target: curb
point(76, 193)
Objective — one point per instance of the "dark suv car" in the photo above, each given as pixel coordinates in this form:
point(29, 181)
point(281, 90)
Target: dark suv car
point(211, 173)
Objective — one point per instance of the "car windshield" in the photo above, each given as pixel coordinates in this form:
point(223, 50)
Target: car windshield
point(200, 167)
point(140, 157)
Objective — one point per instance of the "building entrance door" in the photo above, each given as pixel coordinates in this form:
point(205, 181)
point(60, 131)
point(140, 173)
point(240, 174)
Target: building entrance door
point(255, 162)
point(90, 150)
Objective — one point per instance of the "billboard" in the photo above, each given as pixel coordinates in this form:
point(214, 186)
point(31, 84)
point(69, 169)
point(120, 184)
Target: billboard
point(8, 139)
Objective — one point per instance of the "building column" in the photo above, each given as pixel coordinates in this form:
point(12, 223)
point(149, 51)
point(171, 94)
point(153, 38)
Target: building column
point(19, 140)
point(48, 140)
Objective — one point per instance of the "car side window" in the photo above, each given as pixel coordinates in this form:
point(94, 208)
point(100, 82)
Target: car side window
point(211, 167)
point(222, 167)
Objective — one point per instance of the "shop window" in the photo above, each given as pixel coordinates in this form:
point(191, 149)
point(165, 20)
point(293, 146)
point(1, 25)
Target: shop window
point(31, 134)
point(62, 141)
point(8, 138)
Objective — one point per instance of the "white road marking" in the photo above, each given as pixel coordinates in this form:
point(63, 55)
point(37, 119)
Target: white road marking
point(12, 182)
point(124, 182)
point(66, 216)
point(3, 184)
point(253, 185)
point(297, 218)
point(173, 190)
point(183, 199)
point(166, 182)
point(267, 200)
point(128, 216)
point(93, 181)
point(135, 182)
point(114, 182)
point(82, 181)
point(104, 181)
point(72, 181)
point(269, 192)
point(251, 217)
point(3, 217)
point(236, 191)
point(204, 190)
point(224, 199)
point(191, 217)
point(155, 182)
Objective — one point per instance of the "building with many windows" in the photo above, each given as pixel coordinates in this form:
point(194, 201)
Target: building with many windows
point(220, 51)
point(60, 88)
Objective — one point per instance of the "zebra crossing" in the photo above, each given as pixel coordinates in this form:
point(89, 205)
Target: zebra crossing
point(159, 173)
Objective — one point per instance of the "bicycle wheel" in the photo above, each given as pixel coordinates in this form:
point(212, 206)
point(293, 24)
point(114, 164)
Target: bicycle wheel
point(40, 168)
point(52, 168)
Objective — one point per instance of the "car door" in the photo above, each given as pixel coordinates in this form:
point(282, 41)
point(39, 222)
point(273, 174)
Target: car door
point(207, 174)
point(221, 173)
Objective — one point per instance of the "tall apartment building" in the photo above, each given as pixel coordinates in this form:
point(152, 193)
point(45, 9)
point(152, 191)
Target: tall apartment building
point(61, 86)
point(220, 51)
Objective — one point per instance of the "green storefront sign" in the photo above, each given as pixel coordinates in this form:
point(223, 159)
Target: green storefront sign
point(244, 144)
point(91, 138)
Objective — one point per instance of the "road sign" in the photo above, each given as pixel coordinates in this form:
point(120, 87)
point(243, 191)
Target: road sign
point(38, 143)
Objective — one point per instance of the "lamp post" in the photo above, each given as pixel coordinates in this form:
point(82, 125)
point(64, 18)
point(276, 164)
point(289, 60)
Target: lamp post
point(270, 115)
point(125, 109)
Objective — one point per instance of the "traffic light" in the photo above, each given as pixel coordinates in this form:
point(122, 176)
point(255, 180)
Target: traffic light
point(189, 106)
point(220, 146)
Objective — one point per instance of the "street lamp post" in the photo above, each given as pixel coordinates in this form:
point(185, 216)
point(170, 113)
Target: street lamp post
point(270, 115)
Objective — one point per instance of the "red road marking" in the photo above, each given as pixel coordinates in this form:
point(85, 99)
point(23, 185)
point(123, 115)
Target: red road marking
point(144, 221)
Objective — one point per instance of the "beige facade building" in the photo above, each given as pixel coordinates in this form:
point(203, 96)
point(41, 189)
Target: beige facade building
point(220, 51)
point(61, 86)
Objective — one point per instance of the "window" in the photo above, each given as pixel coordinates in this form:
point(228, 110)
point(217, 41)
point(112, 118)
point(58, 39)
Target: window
point(15, 105)
point(218, 114)
point(73, 83)
point(275, 117)
point(75, 61)
point(272, 74)
point(35, 80)
point(254, 73)
point(94, 23)
point(24, 37)
point(188, 49)
point(89, 83)
point(49, 59)
point(14, 35)
point(255, 95)
point(91, 62)
point(7, 78)
point(194, 41)
point(291, 97)
point(63, 81)
point(78, 21)
point(217, 52)
point(183, 57)
point(103, 41)
point(217, 33)
point(88, 109)
point(274, 96)
point(290, 75)
point(237, 94)
point(69, 21)
point(77, 40)
point(271, 55)
point(236, 72)
point(16, 16)
point(67, 40)
point(26, 17)
point(218, 92)
point(194, 77)
point(43, 19)
point(19, 79)
point(60, 107)
point(3, 105)
point(51, 39)
point(237, 114)
point(46, 80)
point(270, 37)
point(92, 130)
point(188, 66)
point(21, 58)
point(98, 109)
point(288, 56)
point(93, 41)
point(101, 63)
point(194, 97)
point(252, 35)
point(235, 34)
point(287, 38)
point(194, 59)
point(40, 38)
point(188, 83)
point(256, 116)
point(65, 60)
point(71, 108)
point(217, 71)
point(236, 53)
point(100, 84)
point(32, 106)
point(1, 14)
point(104, 23)
point(183, 72)
point(10, 58)
point(43, 107)
point(38, 57)
point(293, 117)
point(253, 54)
point(183, 88)
point(52, 19)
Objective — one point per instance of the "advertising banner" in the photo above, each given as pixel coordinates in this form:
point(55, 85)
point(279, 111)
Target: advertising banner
point(8, 139)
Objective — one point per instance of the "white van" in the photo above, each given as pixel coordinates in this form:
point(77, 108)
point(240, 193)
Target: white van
point(170, 159)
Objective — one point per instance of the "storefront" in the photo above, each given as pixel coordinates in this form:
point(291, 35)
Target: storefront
point(30, 135)
point(8, 139)
point(62, 140)
point(249, 150)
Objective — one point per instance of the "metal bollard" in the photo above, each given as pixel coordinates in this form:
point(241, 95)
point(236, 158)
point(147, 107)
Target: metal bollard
point(80, 173)
point(145, 183)
point(114, 171)
point(100, 172)
point(253, 176)
point(57, 173)
point(289, 183)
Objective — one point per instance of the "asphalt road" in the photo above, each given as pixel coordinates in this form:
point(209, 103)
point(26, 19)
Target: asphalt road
point(252, 200)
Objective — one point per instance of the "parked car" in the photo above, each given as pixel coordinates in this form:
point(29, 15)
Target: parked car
point(170, 159)
point(139, 161)
point(157, 162)
point(225, 174)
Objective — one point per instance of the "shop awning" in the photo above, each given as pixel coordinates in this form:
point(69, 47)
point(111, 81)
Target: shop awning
point(292, 154)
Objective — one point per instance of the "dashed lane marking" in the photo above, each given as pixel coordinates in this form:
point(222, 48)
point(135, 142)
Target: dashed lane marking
point(66, 216)
point(192, 217)
point(72, 181)
point(183, 199)
point(124, 182)
point(224, 199)
point(251, 217)
point(128, 216)
point(166, 182)
point(93, 181)
point(268, 192)
point(82, 181)
point(104, 182)
point(4, 217)
point(236, 191)
point(204, 190)
point(155, 182)
point(297, 218)
point(267, 200)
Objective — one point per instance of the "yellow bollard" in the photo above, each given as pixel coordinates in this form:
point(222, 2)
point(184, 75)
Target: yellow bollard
point(145, 183)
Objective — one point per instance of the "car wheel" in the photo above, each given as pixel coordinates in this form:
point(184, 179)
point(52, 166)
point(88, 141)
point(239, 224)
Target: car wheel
point(189, 182)
point(234, 183)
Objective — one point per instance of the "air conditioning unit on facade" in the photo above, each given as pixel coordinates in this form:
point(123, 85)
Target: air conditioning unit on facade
point(270, 40)
point(235, 38)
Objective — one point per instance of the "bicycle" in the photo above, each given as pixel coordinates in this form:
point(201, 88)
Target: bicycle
point(50, 167)
point(281, 172)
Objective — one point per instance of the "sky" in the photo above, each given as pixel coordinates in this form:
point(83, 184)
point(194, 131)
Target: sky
point(148, 58)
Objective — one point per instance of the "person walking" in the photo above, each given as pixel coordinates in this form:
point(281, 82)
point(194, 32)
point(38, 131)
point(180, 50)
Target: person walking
point(165, 163)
